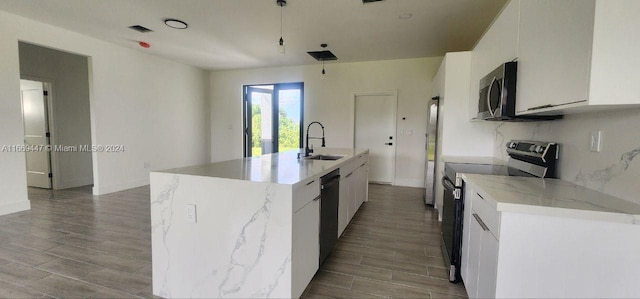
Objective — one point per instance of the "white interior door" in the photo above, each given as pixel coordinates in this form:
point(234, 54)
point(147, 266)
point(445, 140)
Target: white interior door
point(375, 129)
point(36, 127)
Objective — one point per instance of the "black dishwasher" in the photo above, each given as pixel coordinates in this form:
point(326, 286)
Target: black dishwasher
point(329, 198)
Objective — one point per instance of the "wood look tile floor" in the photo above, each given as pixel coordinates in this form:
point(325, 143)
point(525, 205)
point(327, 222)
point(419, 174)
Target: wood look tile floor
point(72, 244)
point(391, 249)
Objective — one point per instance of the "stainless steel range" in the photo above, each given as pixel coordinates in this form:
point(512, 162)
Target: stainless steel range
point(526, 158)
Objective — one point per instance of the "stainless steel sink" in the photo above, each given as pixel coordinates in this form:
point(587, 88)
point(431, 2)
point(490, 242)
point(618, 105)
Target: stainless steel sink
point(324, 157)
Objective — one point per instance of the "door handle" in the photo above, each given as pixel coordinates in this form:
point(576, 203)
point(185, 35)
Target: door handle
point(484, 226)
point(389, 143)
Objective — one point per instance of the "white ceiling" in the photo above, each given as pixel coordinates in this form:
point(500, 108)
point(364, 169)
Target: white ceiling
point(233, 34)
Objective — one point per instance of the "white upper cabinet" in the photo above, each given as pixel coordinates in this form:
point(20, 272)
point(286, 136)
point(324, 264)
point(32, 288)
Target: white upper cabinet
point(498, 45)
point(615, 64)
point(553, 53)
point(575, 54)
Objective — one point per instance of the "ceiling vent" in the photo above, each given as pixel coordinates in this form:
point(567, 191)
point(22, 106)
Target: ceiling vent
point(371, 1)
point(323, 55)
point(140, 28)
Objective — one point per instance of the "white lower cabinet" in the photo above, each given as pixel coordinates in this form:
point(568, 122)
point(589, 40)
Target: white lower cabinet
point(479, 248)
point(488, 265)
point(306, 246)
point(362, 184)
point(343, 206)
point(353, 191)
point(524, 254)
point(472, 262)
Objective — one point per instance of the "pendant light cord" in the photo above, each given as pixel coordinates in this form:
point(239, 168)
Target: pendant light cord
point(281, 21)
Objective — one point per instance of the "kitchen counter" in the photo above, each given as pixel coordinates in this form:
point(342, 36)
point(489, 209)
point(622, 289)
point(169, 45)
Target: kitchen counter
point(552, 197)
point(243, 228)
point(279, 168)
point(529, 237)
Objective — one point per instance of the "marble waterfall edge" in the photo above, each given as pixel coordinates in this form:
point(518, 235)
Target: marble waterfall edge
point(241, 237)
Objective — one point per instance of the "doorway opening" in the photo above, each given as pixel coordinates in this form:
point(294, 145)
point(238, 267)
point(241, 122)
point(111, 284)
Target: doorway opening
point(273, 118)
point(375, 129)
point(56, 116)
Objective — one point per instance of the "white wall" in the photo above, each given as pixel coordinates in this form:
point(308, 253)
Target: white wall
point(69, 75)
point(156, 108)
point(330, 101)
point(457, 135)
point(615, 170)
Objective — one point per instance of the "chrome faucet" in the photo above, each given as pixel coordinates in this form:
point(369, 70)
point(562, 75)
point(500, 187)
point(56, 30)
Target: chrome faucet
point(308, 151)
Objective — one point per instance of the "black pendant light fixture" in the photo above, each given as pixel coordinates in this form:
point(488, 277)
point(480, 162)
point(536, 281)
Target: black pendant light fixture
point(281, 47)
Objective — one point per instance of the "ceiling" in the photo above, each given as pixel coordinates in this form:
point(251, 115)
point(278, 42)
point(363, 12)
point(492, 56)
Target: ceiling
point(234, 34)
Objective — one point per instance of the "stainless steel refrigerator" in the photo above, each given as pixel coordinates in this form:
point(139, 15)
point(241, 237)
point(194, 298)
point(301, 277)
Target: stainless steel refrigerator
point(431, 149)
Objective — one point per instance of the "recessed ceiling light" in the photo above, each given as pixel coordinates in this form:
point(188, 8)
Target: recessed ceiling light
point(405, 16)
point(176, 24)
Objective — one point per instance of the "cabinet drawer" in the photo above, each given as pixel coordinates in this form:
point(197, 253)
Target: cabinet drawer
point(487, 213)
point(304, 192)
point(349, 167)
point(362, 159)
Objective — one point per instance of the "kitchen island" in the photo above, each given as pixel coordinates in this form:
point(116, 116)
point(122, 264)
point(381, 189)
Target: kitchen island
point(246, 227)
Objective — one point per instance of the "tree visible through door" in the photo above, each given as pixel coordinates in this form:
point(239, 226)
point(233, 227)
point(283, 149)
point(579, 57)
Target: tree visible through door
point(273, 118)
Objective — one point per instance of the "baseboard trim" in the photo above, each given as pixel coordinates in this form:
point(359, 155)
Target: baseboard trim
point(99, 189)
point(14, 207)
point(409, 183)
point(73, 183)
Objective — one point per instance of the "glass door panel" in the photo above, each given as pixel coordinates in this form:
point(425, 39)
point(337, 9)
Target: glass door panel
point(289, 119)
point(261, 129)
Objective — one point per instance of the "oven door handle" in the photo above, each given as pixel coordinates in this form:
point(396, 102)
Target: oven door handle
point(448, 184)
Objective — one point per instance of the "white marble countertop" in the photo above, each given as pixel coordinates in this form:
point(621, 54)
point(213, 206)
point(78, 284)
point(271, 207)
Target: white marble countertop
point(279, 168)
point(552, 197)
point(473, 160)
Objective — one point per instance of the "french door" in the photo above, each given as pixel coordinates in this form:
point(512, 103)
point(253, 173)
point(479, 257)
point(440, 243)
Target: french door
point(273, 118)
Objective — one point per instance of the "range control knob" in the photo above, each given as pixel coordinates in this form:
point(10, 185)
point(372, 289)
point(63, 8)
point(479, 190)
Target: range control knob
point(532, 148)
point(539, 149)
point(512, 145)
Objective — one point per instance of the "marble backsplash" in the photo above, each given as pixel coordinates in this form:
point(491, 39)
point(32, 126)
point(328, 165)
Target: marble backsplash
point(615, 170)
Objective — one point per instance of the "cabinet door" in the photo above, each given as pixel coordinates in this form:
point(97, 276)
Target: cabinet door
point(343, 206)
point(360, 185)
point(466, 233)
point(353, 206)
point(473, 261)
point(554, 53)
point(488, 266)
point(305, 246)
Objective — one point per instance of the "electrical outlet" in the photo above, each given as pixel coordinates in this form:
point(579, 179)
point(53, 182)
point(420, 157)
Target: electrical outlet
point(595, 141)
point(192, 216)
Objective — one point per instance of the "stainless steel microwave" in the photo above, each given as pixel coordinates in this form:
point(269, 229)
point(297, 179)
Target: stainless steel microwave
point(498, 93)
